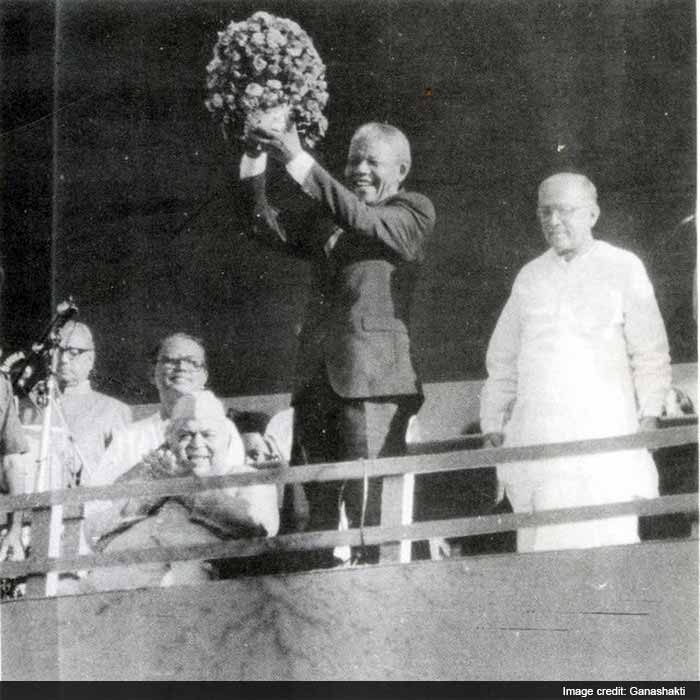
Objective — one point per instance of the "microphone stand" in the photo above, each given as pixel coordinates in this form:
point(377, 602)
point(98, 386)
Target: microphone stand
point(49, 472)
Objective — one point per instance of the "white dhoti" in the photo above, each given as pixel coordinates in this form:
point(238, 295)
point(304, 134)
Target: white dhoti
point(580, 352)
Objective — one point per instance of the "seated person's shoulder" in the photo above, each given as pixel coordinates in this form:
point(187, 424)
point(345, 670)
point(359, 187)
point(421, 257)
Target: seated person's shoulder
point(108, 404)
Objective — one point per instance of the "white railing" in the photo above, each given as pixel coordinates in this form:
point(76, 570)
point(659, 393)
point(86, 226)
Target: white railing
point(423, 458)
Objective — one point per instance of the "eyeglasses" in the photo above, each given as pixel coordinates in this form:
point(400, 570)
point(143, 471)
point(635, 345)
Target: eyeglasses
point(173, 362)
point(74, 352)
point(546, 213)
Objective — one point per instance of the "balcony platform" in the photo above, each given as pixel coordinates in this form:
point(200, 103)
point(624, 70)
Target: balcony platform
point(617, 613)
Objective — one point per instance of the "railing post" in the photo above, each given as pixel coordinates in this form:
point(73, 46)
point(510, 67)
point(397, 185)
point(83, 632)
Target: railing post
point(397, 492)
point(40, 535)
point(72, 525)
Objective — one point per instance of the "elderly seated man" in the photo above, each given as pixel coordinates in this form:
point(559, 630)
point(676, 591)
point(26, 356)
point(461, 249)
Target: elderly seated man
point(200, 441)
point(179, 368)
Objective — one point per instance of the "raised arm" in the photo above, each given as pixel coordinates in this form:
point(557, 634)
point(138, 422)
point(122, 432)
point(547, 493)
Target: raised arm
point(402, 222)
point(284, 229)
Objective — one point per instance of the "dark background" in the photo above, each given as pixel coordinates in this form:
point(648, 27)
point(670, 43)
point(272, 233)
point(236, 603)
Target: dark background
point(116, 187)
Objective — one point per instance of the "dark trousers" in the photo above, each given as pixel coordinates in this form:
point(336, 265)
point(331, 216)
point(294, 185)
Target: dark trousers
point(329, 428)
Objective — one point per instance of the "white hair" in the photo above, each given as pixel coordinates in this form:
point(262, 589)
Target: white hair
point(389, 134)
point(587, 187)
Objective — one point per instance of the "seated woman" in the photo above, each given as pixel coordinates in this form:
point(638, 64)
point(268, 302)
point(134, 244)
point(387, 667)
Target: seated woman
point(200, 441)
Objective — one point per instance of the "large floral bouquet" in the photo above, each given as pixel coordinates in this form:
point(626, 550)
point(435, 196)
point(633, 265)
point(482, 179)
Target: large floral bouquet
point(267, 64)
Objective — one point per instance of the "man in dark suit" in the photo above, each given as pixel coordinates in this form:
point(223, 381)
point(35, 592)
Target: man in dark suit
point(355, 387)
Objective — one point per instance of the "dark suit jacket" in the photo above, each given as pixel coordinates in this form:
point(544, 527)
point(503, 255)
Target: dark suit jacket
point(358, 317)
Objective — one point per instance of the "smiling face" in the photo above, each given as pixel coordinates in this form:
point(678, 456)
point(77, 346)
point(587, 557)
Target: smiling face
point(375, 168)
point(180, 369)
point(567, 210)
point(200, 443)
point(200, 434)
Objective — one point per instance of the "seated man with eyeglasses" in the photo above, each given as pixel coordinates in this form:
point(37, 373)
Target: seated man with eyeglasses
point(179, 369)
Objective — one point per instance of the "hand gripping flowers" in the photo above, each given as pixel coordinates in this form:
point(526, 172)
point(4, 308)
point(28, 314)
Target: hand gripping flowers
point(267, 65)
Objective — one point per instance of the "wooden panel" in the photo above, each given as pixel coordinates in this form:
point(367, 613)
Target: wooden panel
point(614, 613)
point(30, 642)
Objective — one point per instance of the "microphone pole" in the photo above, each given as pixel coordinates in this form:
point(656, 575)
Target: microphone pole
point(49, 472)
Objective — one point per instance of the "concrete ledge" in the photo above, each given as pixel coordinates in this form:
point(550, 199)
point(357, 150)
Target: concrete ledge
point(617, 613)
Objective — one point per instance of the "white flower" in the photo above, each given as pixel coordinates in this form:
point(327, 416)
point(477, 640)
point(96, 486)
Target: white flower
point(275, 38)
point(259, 64)
point(214, 64)
point(224, 38)
point(254, 90)
point(263, 17)
point(263, 62)
point(257, 39)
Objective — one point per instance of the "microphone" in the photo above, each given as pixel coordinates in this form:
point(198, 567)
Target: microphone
point(27, 370)
point(65, 311)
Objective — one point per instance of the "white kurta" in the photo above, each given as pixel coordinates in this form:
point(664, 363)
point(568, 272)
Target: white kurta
point(128, 447)
point(579, 351)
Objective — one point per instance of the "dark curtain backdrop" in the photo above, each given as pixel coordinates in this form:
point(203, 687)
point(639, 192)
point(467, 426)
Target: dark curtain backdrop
point(117, 189)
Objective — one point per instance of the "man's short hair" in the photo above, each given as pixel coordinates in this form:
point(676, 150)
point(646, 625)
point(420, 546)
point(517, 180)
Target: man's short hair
point(153, 357)
point(389, 134)
point(586, 185)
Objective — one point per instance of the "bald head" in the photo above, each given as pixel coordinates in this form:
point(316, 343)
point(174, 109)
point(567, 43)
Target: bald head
point(76, 332)
point(76, 355)
point(570, 182)
point(567, 207)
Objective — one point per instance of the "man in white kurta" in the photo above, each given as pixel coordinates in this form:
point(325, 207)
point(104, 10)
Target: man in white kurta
point(84, 420)
point(180, 369)
point(579, 351)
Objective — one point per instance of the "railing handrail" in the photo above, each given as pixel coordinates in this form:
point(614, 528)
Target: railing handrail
point(393, 534)
point(455, 527)
point(432, 460)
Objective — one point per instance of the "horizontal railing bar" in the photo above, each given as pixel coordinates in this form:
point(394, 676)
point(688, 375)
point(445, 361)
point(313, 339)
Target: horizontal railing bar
point(650, 439)
point(673, 421)
point(432, 460)
point(457, 527)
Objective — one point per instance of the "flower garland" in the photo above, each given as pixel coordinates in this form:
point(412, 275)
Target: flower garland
point(262, 63)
